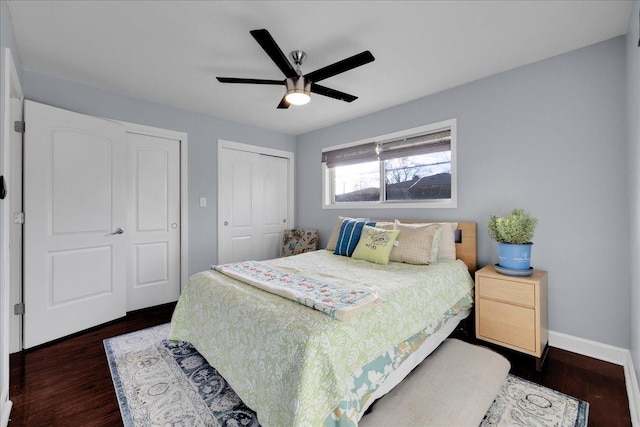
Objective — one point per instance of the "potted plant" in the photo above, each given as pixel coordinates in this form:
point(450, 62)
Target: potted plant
point(513, 232)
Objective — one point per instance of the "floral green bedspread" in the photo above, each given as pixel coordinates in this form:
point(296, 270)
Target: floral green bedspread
point(290, 363)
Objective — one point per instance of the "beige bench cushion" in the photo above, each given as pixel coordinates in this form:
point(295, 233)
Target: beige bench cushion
point(454, 386)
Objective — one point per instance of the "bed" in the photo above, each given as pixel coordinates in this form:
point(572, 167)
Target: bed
point(297, 366)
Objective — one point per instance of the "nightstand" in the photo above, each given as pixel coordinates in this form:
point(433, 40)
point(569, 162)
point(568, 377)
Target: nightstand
point(511, 311)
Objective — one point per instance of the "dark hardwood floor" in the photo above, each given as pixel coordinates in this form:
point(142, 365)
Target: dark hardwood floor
point(597, 382)
point(68, 383)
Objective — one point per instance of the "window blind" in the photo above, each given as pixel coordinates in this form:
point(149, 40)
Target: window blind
point(395, 148)
point(414, 145)
point(351, 155)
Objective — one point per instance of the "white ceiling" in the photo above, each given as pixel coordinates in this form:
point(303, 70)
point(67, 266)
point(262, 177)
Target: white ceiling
point(170, 52)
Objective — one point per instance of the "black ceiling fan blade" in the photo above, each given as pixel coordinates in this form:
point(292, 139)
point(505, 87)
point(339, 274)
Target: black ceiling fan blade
point(340, 66)
point(332, 93)
point(284, 103)
point(250, 81)
point(270, 46)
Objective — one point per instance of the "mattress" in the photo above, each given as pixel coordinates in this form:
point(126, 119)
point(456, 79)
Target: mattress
point(296, 366)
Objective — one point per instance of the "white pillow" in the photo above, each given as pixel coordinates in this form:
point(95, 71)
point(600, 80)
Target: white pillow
point(448, 241)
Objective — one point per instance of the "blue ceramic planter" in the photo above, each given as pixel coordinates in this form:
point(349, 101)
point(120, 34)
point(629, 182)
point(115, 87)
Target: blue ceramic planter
point(517, 257)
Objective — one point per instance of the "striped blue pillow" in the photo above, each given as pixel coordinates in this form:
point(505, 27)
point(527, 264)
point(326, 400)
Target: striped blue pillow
point(349, 236)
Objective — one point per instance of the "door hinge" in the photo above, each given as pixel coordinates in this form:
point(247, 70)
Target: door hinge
point(18, 217)
point(18, 309)
point(19, 126)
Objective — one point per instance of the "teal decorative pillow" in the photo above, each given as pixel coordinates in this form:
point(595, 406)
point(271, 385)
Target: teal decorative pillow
point(375, 244)
point(331, 244)
point(349, 236)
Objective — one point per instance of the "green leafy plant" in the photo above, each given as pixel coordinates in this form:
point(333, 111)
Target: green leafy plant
point(515, 227)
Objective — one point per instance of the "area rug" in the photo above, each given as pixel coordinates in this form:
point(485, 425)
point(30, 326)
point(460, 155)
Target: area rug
point(160, 382)
point(523, 403)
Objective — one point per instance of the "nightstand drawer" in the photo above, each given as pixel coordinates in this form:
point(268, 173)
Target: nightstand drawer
point(507, 291)
point(508, 324)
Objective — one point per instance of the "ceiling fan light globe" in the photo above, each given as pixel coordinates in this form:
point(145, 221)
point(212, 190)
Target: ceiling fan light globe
point(297, 98)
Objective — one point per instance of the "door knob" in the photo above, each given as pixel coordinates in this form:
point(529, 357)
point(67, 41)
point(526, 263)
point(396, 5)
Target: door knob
point(119, 230)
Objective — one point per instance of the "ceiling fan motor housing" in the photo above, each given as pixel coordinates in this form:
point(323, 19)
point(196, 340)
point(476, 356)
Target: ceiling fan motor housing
point(298, 90)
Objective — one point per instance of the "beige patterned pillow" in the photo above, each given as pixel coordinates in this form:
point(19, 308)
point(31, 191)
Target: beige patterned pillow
point(447, 249)
point(416, 243)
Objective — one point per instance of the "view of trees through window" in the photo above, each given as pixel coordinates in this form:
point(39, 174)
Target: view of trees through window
point(417, 177)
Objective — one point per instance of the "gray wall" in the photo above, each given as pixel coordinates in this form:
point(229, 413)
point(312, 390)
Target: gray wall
point(203, 133)
point(633, 126)
point(549, 137)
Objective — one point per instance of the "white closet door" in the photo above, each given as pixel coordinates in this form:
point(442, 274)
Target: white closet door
point(238, 188)
point(154, 220)
point(74, 202)
point(274, 197)
point(253, 197)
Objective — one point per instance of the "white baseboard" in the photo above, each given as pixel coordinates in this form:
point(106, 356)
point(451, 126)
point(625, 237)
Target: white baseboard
point(607, 353)
point(631, 381)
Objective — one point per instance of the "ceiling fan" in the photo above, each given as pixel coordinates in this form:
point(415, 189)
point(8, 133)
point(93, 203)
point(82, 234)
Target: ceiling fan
point(300, 86)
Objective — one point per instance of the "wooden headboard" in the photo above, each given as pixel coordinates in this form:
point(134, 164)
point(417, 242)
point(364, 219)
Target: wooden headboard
point(466, 248)
point(466, 238)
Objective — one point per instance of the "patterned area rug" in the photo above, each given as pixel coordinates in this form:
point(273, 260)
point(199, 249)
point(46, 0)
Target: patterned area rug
point(523, 403)
point(160, 382)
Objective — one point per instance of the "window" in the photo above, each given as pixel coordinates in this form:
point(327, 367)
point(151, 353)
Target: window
point(412, 168)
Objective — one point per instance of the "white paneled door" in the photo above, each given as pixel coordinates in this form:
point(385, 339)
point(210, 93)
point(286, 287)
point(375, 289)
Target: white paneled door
point(102, 233)
point(154, 220)
point(253, 206)
point(75, 214)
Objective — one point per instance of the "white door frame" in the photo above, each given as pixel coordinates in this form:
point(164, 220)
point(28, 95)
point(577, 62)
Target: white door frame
point(290, 156)
point(10, 83)
point(184, 195)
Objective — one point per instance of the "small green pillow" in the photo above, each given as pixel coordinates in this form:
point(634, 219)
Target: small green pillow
point(375, 244)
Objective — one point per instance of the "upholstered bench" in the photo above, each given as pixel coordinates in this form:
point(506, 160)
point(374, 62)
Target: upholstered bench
point(454, 386)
